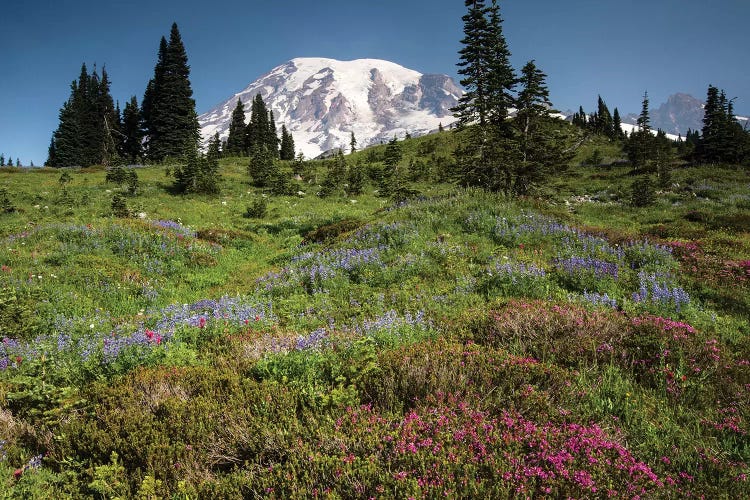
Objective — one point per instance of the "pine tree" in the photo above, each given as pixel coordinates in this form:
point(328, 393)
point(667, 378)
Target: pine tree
point(617, 125)
point(473, 105)
point(640, 146)
point(333, 184)
point(236, 139)
point(132, 143)
point(287, 145)
point(169, 109)
point(663, 157)
point(261, 168)
point(604, 123)
point(356, 179)
point(2, 160)
point(352, 143)
point(256, 132)
point(539, 148)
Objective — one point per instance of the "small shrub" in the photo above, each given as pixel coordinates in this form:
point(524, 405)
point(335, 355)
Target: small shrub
point(642, 192)
point(329, 232)
point(120, 207)
point(257, 210)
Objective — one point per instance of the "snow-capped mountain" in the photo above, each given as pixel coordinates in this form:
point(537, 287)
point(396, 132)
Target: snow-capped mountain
point(680, 113)
point(322, 101)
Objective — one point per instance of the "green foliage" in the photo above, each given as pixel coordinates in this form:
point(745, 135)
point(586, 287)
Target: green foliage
point(170, 119)
point(642, 192)
point(119, 206)
point(257, 210)
point(6, 204)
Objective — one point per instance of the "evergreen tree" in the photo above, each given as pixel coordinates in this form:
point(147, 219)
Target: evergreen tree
point(604, 123)
point(333, 184)
point(18, 162)
point(473, 66)
point(88, 123)
point(256, 132)
point(501, 77)
point(236, 140)
point(169, 109)
point(640, 146)
point(2, 160)
point(356, 179)
point(132, 142)
point(287, 145)
point(663, 157)
point(352, 143)
point(262, 167)
point(539, 147)
point(199, 174)
point(617, 125)
point(391, 160)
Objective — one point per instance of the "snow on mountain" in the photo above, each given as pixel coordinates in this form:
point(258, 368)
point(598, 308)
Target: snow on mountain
point(322, 101)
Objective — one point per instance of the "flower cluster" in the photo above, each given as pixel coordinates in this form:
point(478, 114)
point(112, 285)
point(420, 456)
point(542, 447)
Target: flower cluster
point(655, 290)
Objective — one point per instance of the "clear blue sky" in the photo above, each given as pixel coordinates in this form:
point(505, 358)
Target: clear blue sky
point(616, 48)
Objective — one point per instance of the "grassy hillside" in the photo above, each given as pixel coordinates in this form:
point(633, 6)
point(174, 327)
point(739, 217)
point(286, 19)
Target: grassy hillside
point(457, 344)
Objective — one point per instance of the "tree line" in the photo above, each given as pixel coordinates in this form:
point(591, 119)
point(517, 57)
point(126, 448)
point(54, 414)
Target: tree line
point(93, 130)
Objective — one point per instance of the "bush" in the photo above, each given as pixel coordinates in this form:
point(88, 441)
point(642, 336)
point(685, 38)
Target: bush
point(642, 192)
point(257, 210)
point(120, 207)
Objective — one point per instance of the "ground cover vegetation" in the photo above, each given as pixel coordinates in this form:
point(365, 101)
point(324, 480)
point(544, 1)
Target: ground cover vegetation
point(375, 325)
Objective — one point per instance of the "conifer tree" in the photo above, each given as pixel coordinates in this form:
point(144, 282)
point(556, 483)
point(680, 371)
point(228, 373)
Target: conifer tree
point(262, 167)
point(539, 147)
point(640, 146)
point(333, 184)
point(2, 160)
point(617, 125)
point(236, 139)
point(604, 122)
point(169, 109)
point(132, 142)
point(356, 179)
point(352, 143)
point(256, 135)
point(287, 145)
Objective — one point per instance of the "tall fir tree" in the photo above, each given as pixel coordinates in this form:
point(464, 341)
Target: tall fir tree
point(640, 145)
point(132, 143)
point(88, 123)
point(256, 132)
point(287, 145)
point(489, 80)
point(353, 142)
point(236, 139)
point(169, 109)
point(617, 125)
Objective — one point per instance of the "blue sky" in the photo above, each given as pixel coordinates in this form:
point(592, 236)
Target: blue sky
point(616, 48)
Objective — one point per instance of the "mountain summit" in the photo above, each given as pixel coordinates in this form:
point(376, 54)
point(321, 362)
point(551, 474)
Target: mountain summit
point(322, 101)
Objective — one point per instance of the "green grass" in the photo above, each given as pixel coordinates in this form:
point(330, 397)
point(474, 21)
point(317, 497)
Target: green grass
point(351, 347)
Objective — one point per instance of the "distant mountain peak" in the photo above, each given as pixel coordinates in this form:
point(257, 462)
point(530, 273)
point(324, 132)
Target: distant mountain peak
point(322, 101)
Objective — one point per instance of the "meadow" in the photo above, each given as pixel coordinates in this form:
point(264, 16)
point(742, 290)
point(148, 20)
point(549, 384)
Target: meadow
point(456, 344)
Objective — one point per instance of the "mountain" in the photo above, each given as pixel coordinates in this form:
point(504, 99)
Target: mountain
point(322, 101)
point(680, 113)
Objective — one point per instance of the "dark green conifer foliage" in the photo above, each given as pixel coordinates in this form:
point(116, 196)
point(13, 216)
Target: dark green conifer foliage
point(617, 132)
point(257, 130)
point(262, 167)
point(723, 139)
point(640, 146)
point(236, 139)
point(132, 142)
point(88, 123)
point(540, 142)
point(352, 143)
point(663, 158)
point(356, 179)
point(169, 109)
point(642, 192)
point(604, 122)
point(335, 180)
point(501, 76)
point(2, 160)
point(473, 65)
point(287, 145)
